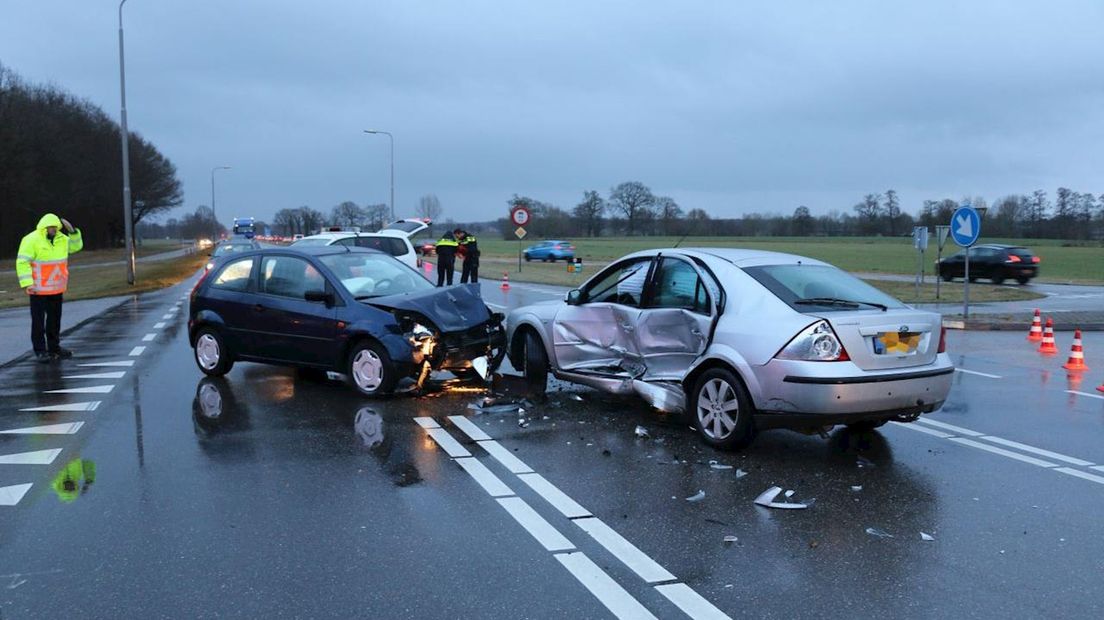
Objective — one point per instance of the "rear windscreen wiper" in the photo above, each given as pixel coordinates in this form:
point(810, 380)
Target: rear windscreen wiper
point(835, 301)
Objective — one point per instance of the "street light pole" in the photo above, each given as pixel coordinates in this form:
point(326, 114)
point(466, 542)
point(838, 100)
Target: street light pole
point(214, 215)
point(392, 140)
point(128, 224)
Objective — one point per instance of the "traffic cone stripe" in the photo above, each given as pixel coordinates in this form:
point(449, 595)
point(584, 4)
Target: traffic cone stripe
point(1035, 334)
point(1048, 347)
point(1076, 359)
point(505, 281)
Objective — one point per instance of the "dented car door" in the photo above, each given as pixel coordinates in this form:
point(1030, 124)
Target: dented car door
point(674, 328)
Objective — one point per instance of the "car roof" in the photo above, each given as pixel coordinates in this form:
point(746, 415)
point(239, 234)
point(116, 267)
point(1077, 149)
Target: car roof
point(740, 257)
point(318, 250)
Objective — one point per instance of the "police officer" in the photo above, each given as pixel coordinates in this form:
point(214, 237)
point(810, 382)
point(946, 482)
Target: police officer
point(469, 247)
point(446, 258)
point(42, 265)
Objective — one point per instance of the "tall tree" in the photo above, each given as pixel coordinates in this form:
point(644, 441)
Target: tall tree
point(669, 213)
point(348, 213)
point(310, 220)
point(802, 224)
point(892, 211)
point(376, 215)
point(869, 211)
point(634, 200)
point(589, 213)
point(429, 207)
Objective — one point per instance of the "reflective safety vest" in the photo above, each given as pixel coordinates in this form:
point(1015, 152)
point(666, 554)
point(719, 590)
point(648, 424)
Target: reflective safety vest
point(43, 264)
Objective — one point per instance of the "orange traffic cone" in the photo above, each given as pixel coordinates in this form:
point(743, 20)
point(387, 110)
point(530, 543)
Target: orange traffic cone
point(505, 281)
point(1076, 360)
point(1048, 347)
point(1035, 334)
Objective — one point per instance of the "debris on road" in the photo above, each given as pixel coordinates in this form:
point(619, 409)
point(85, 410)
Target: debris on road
point(642, 432)
point(740, 473)
point(491, 405)
point(873, 531)
point(766, 499)
point(729, 540)
point(856, 488)
point(523, 423)
point(863, 462)
point(926, 537)
point(697, 497)
point(577, 397)
point(716, 465)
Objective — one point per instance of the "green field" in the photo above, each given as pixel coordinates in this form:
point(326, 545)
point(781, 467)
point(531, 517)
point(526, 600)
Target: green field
point(1082, 265)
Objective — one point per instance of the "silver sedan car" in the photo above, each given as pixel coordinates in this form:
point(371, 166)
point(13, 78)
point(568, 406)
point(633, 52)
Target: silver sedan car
point(740, 341)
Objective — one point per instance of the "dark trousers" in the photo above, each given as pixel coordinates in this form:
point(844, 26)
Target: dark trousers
point(445, 269)
point(46, 323)
point(470, 272)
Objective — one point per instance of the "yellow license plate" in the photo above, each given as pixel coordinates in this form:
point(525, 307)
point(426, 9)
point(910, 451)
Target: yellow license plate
point(896, 343)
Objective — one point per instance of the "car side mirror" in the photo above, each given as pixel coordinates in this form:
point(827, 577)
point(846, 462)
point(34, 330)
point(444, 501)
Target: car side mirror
point(319, 295)
point(574, 297)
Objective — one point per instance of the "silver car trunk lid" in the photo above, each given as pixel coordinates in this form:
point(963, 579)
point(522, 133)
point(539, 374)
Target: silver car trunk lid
point(896, 338)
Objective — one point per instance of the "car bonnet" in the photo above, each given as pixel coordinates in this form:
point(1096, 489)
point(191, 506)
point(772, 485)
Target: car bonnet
point(451, 309)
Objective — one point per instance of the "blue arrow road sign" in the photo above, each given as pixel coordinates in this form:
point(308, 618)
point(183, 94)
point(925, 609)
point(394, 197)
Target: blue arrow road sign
point(965, 226)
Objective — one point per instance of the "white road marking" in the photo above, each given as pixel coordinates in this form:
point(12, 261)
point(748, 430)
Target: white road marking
point(447, 443)
point(10, 495)
point(1002, 452)
point(551, 494)
point(136, 351)
point(950, 427)
point(490, 482)
point(923, 429)
point(37, 457)
point(92, 389)
point(980, 374)
point(469, 428)
point(1082, 475)
point(549, 537)
point(638, 561)
point(690, 602)
point(89, 406)
point(124, 363)
point(159, 325)
point(1085, 394)
point(69, 428)
point(167, 316)
point(427, 423)
point(1032, 449)
point(616, 599)
point(504, 456)
point(98, 375)
point(148, 337)
point(499, 306)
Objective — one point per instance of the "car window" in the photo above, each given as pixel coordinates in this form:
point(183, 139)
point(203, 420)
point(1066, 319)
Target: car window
point(289, 276)
point(347, 242)
point(389, 245)
point(679, 286)
point(369, 274)
point(623, 284)
point(234, 276)
point(314, 241)
point(792, 283)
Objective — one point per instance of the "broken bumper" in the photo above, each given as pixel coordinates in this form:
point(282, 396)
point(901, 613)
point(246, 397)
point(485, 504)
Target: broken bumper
point(456, 350)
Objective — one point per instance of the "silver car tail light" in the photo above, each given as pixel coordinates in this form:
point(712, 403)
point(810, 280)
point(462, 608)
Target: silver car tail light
point(816, 343)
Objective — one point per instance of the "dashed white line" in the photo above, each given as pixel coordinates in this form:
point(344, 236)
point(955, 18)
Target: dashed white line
point(922, 429)
point(639, 562)
point(148, 337)
point(491, 483)
point(10, 495)
point(1082, 475)
point(690, 602)
point(167, 316)
point(549, 537)
point(504, 456)
point(551, 494)
point(123, 363)
point(1032, 449)
point(1085, 394)
point(980, 374)
point(469, 428)
point(615, 598)
point(37, 457)
point(89, 406)
point(136, 351)
point(92, 389)
point(958, 430)
point(447, 443)
point(98, 375)
point(159, 325)
point(1002, 452)
point(69, 428)
point(427, 422)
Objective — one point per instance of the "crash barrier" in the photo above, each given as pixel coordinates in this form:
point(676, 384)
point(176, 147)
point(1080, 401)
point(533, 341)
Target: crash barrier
point(505, 281)
point(1035, 334)
point(1048, 347)
point(1076, 359)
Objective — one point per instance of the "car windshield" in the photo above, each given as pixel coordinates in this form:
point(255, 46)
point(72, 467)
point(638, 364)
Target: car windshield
point(314, 241)
point(806, 287)
point(372, 274)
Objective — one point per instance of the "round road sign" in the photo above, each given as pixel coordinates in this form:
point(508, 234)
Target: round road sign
point(519, 216)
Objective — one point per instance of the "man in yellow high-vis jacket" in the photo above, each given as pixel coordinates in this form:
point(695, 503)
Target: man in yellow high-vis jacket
point(42, 266)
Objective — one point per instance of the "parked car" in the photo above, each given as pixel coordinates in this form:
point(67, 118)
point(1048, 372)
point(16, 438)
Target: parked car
point(230, 246)
point(992, 261)
point(740, 341)
point(393, 239)
point(550, 251)
point(351, 310)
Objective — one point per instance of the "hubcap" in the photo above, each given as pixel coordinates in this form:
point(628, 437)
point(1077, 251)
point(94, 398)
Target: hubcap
point(207, 351)
point(210, 401)
point(367, 370)
point(718, 409)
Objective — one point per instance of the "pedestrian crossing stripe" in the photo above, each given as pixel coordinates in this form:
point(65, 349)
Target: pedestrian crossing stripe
point(37, 457)
point(69, 428)
point(10, 495)
point(89, 406)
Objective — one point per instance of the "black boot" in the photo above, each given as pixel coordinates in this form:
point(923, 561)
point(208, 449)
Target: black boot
point(62, 354)
point(43, 357)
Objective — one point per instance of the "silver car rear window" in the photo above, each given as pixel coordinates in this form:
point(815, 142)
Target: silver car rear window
point(795, 283)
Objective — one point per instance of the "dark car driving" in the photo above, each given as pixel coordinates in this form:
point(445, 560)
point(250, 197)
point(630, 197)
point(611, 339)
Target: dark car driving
point(994, 262)
point(354, 311)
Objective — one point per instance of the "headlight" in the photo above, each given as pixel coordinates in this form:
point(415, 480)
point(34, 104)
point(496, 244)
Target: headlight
point(420, 332)
point(817, 343)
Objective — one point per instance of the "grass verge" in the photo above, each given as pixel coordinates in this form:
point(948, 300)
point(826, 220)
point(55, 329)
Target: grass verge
point(110, 280)
point(88, 257)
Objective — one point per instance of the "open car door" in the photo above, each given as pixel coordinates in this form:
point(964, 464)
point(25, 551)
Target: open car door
point(406, 228)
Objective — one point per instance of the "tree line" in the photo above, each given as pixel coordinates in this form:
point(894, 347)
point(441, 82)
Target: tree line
point(61, 154)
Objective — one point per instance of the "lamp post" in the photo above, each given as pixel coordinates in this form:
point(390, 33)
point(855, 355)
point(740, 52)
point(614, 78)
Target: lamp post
point(214, 216)
point(392, 140)
point(128, 224)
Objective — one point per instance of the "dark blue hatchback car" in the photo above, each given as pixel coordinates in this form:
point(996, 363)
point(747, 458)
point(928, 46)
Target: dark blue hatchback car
point(350, 310)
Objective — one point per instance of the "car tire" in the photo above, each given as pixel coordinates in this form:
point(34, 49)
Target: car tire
point(211, 354)
point(1023, 280)
point(866, 425)
point(715, 394)
point(535, 363)
point(997, 279)
point(947, 277)
point(528, 258)
point(370, 370)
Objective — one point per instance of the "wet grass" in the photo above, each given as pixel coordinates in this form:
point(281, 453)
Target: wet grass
point(108, 281)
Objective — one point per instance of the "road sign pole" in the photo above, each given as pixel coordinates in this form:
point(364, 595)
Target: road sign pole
point(966, 288)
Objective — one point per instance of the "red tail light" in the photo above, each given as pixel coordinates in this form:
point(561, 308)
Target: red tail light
point(559, 247)
point(1034, 259)
point(203, 277)
point(1012, 258)
point(942, 340)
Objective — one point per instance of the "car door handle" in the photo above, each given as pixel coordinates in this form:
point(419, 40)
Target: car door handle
point(258, 308)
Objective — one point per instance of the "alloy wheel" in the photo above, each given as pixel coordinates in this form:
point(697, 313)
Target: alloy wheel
point(718, 409)
point(207, 351)
point(367, 370)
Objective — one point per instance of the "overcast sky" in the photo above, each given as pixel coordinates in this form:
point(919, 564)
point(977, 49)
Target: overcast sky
point(728, 106)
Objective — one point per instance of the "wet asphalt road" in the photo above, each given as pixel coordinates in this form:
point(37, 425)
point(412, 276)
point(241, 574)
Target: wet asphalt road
point(272, 494)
